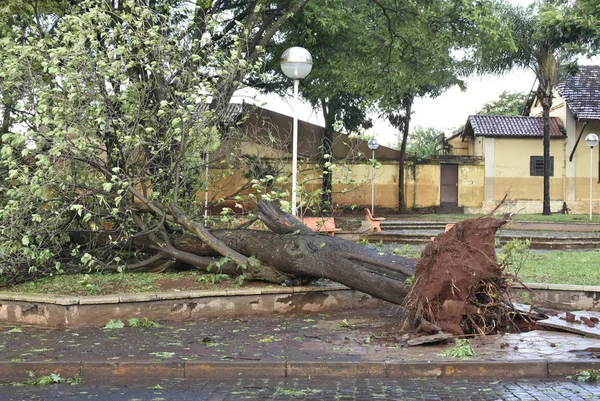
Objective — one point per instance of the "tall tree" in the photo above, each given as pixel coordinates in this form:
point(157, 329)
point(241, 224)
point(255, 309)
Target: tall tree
point(422, 141)
point(538, 41)
point(507, 104)
point(383, 54)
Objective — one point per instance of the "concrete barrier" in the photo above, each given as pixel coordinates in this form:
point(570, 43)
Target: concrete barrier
point(69, 311)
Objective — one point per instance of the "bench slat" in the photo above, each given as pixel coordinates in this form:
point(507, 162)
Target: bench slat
point(321, 224)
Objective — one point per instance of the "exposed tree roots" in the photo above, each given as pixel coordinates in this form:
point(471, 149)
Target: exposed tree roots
point(459, 285)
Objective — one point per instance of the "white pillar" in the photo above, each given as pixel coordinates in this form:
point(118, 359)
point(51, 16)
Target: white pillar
point(295, 152)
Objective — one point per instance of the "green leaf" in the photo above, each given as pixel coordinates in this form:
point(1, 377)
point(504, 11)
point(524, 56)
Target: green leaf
point(114, 324)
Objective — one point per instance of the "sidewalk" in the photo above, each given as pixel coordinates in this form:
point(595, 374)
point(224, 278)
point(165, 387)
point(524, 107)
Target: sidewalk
point(348, 343)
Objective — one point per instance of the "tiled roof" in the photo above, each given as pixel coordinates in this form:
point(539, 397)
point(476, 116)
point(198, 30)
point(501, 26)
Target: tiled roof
point(582, 92)
point(512, 126)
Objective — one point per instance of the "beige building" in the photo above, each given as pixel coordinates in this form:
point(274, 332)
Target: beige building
point(511, 149)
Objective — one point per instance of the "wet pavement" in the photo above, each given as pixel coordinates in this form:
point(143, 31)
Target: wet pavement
point(351, 389)
point(348, 343)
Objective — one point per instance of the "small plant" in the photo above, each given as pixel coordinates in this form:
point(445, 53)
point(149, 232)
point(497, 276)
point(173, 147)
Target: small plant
point(90, 288)
point(462, 349)
point(213, 278)
point(346, 324)
point(410, 280)
point(52, 378)
point(114, 324)
point(239, 280)
point(589, 375)
point(144, 323)
point(514, 254)
point(406, 251)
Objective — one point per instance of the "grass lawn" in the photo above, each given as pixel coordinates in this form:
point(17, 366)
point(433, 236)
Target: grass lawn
point(555, 267)
point(558, 267)
point(114, 283)
point(553, 218)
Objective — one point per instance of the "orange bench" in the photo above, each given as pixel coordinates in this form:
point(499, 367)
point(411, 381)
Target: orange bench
point(321, 224)
point(448, 227)
point(374, 222)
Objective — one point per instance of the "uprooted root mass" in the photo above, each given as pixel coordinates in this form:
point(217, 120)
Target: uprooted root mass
point(458, 283)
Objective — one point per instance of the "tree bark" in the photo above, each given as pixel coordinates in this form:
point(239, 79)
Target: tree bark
point(289, 250)
point(327, 149)
point(293, 248)
point(402, 208)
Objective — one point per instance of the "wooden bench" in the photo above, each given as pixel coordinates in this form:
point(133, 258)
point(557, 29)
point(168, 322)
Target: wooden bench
point(448, 227)
point(321, 224)
point(374, 222)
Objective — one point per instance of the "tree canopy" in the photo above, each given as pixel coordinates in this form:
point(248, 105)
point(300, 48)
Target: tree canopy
point(507, 104)
point(422, 141)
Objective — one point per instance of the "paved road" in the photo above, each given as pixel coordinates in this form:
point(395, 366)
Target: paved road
point(316, 389)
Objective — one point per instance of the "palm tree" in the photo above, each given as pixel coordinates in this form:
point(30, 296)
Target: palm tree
point(534, 43)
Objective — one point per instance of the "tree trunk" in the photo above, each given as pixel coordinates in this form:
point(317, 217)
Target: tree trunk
point(547, 76)
point(546, 116)
point(327, 156)
point(289, 250)
point(296, 250)
point(408, 101)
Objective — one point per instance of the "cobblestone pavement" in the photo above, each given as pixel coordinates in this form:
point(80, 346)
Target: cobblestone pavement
point(317, 389)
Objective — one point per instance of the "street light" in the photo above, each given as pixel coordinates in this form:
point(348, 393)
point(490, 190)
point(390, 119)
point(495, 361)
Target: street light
point(296, 63)
point(373, 145)
point(591, 140)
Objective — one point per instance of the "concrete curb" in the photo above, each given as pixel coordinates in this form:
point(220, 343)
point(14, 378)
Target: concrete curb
point(150, 371)
point(85, 311)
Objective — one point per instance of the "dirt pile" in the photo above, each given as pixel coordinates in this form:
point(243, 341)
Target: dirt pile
point(458, 283)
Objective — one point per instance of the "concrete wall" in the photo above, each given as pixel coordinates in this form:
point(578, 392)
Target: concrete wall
point(352, 185)
point(471, 185)
point(423, 185)
point(62, 311)
point(578, 194)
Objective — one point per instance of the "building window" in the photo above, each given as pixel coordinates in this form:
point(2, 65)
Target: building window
point(536, 166)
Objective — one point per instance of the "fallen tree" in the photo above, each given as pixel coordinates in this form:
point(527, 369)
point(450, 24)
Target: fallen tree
point(289, 252)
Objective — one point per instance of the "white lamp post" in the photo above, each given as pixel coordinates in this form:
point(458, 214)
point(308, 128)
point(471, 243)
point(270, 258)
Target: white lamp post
point(373, 145)
point(296, 63)
point(591, 140)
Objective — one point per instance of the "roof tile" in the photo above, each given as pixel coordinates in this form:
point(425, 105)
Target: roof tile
point(582, 92)
point(514, 126)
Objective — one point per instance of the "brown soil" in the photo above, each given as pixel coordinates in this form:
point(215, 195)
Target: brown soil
point(458, 284)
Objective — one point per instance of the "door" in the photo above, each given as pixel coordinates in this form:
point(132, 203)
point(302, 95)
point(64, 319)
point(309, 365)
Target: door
point(449, 185)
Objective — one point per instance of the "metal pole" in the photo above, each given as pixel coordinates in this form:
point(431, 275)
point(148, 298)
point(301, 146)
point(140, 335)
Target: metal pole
point(206, 191)
point(591, 173)
point(373, 185)
point(295, 152)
